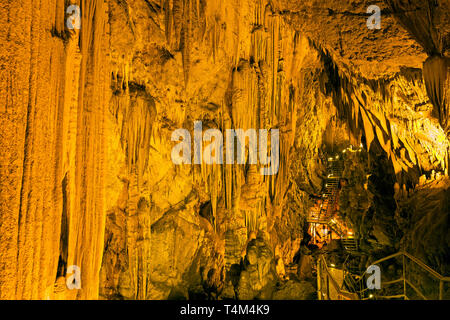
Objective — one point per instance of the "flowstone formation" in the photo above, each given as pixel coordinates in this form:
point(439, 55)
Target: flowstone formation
point(87, 117)
point(258, 275)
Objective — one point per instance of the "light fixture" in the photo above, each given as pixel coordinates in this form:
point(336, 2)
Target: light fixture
point(371, 296)
point(332, 265)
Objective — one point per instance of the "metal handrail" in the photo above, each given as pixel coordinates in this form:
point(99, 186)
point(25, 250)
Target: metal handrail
point(421, 264)
point(414, 259)
point(322, 266)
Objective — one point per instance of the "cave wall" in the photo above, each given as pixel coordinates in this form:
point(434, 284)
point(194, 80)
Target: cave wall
point(54, 93)
point(87, 116)
point(240, 71)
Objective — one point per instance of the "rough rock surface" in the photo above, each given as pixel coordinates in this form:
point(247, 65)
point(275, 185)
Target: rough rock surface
point(258, 277)
point(87, 117)
point(293, 290)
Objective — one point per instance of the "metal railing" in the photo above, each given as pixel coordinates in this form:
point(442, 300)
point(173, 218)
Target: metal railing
point(407, 262)
point(323, 213)
point(327, 285)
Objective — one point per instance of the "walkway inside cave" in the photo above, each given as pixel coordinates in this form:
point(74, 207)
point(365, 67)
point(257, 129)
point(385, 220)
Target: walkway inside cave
point(325, 224)
point(402, 276)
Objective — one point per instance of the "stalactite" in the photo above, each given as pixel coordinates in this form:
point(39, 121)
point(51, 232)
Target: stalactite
point(185, 39)
point(168, 21)
point(177, 13)
point(264, 71)
point(436, 73)
point(89, 223)
point(357, 96)
point(138, 114)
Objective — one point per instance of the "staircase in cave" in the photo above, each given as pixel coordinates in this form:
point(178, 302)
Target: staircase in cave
point(352, 283)
point(416, 280)
point(324, 212)
point(350, 244)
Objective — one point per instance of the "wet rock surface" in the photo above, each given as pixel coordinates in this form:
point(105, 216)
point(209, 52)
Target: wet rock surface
point(87, 117)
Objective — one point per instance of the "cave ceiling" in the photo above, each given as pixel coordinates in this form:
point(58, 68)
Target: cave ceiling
point(90, 117)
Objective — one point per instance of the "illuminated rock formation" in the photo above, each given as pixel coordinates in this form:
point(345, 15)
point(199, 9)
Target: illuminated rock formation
point(87, 116)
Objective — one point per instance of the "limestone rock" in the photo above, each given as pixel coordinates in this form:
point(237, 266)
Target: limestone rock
point(259, 275)
point(87, 117)
point(295, 290)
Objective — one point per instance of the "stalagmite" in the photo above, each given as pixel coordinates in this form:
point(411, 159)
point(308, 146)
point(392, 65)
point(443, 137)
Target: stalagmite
point(89, 185)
